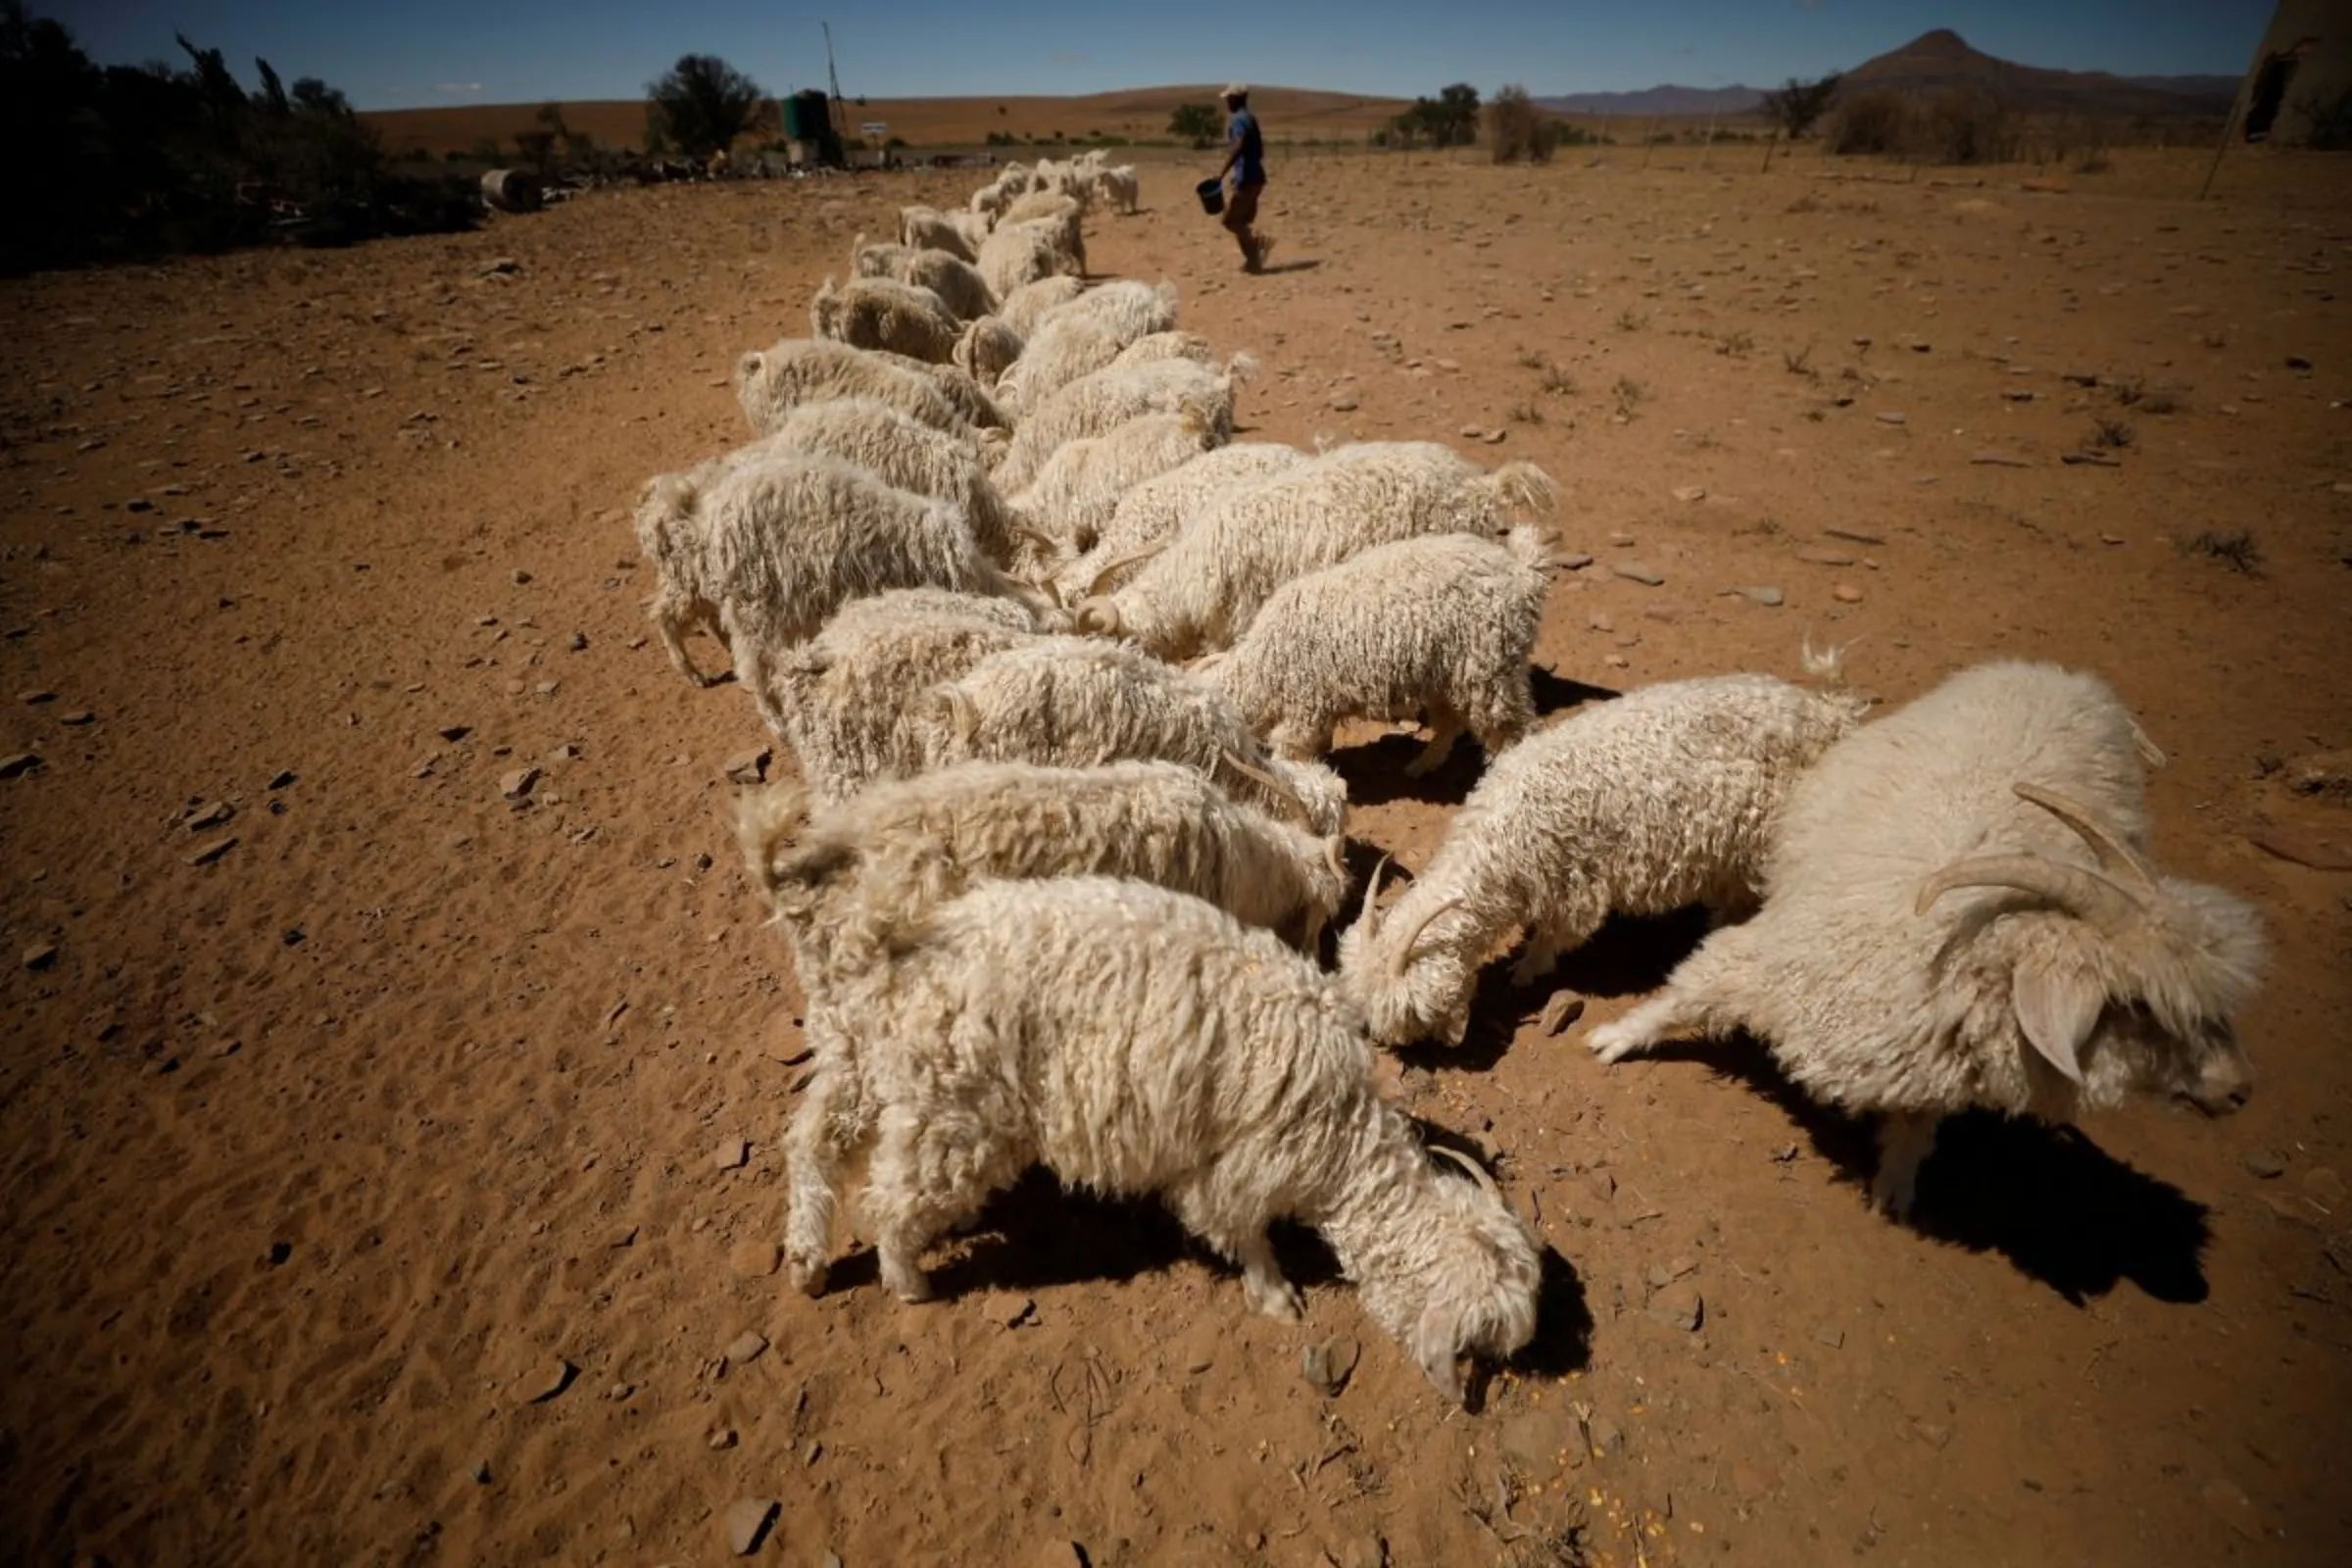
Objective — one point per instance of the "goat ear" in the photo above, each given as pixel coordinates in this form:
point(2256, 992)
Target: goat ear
point(1457, 1028)
point(2057, 1008)
point(1435, 1349)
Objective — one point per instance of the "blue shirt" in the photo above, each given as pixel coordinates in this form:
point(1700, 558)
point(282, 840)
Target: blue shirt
point(1251, 169)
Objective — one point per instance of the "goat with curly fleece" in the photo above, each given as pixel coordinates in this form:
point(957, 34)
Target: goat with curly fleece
point(1959, 910)
point(1441, 626)
point(1199, 592)
point(1664, 797)
point(1138, 1042)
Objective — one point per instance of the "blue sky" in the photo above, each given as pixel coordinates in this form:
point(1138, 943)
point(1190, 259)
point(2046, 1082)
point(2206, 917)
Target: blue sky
point(520, 51)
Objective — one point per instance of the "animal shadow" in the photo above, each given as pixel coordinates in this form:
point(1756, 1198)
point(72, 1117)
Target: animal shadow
point(1375, 771)
point(1037, 1234)
point(2060, 1208)
point(1305, 264)
point(1563, 1337)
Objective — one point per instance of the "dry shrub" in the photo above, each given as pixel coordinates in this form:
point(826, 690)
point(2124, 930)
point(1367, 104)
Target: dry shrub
point(1969, 127)
point(1869, 123)
point(1516, 128)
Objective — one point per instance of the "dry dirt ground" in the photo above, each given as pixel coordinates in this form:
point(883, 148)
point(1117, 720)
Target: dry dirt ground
point(367, 1131)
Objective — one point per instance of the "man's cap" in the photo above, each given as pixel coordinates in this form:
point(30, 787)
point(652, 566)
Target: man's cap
point(1235, 89)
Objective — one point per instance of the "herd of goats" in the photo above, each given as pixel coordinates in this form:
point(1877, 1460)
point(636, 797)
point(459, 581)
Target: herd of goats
point(1060, 663)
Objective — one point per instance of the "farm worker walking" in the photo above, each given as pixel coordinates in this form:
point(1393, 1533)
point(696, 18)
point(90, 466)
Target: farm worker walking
point(1245, 162)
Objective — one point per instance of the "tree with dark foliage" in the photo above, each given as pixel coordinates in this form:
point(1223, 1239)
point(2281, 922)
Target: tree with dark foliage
point(704, 104)
point(1800, 103)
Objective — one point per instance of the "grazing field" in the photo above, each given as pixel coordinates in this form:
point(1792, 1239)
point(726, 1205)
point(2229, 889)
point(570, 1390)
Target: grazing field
point(384, 998)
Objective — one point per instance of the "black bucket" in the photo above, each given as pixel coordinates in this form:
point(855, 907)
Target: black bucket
point(1212, 196)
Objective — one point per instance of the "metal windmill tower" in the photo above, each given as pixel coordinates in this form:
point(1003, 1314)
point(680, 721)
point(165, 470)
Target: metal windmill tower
point(840, 113)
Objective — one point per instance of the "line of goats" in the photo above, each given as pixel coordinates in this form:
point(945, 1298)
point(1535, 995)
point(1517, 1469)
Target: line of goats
point(1060, 664)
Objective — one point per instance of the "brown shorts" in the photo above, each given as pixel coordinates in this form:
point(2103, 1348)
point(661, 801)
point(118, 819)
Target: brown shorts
point(1241, 208)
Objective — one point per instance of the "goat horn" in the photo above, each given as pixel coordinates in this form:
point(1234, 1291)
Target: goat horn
point(1036, 536)
point(1334, 859)
point(1269, 783)
point(2081, 893)
point(1102, 574)
point(2113, 855)
point(1097, 615)
point(1372, 896)
point(1405, 953)
point(1478, 1172)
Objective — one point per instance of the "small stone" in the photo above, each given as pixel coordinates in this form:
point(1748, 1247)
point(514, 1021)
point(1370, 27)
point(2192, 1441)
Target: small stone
point(721, 1439)
point(747, 1348)
point(1563, 1009)
point(1496, 436)
point(1768, 597)
point(577, 642)
point(454, 732)
point(831, 1559)
point(1830, 1335)
point(1343, 403)
point(1678, 1306)
point(1604, 1435)
point(16, 762)
point(2267, 1164)
point(1845, 593)
point(1572, 560)
point(2296, 362)
point(35, 697)
point(1990, 458)
point(40, 955)
point(213, 852)
point(748, 1520)
point(2017, 394)
point(1934, 1434)
point(1816, 555)
point(1471, 432)
point(1328, 1364)
point(753, 1260)
point(621, 1393)
point(1636, 571)
point(521, 576)
point(1891, 417)
point(210, 817)
point(518, 784)
point(732, 1154)
point(2228, 1500)
point(78, 717)
point(481, 1473)
point(1854, 536)
point(544, 1381)
point(1621, 539)
point(1362, 1552)
point(748, 767)
point(1690, 492)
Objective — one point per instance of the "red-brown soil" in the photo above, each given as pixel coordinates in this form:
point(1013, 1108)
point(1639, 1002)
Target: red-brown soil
point(330, 1158)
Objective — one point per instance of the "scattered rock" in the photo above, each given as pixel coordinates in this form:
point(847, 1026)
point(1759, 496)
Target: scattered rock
point(16, 762)
point(1770, 598)
point(722, 1439)
point(544, 1381)
point(518, 784)
point(753, 1260)
point(2089, 459)
point(211, 816)
point(1678, 1306)
point(2300, 844)
point(1367, 1550)
point(749, 768)
point(2296, 362)
point(577, 642)
point(1845, 593)
point(1496, 436)
point(1934, 1434)
point(1816, 555)
point(521, 576)
point(40, 955)
point(1604, 1436)
point(1563, 1009)
point(501, 267)
point(213, 852)
point(2264, 1164)
point(1854, 536)
point(1572, 560)
point(1998, 459)
point(37, 697)
point(747, 1348)
point(1636, 571)
point(1690, 492)
point(1830, 1335)
point(2229, 1502)
point(454, 732)
point(1328, 1364)
point(481, 1473)
point(732, 1154)
point(1343, 403)
point(78, 717)
point(1891, 417)
point(1535, 1440)
point(747, 1522)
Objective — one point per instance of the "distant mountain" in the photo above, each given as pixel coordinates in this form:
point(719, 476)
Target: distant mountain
point(1666, 100)
point(1943, 61)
